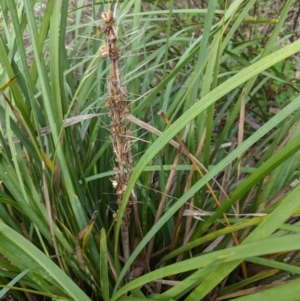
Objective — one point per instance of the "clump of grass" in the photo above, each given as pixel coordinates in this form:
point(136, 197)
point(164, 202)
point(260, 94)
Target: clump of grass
point(58, 186)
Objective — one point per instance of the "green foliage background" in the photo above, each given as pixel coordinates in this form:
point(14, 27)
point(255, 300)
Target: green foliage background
point(226, 77)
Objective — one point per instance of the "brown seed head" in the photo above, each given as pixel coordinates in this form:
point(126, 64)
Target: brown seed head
point(112, 37)
point(104, 50)
point(108, 16)
point(114, 184)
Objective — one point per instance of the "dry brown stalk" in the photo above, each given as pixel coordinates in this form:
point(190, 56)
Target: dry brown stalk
point(118, 110)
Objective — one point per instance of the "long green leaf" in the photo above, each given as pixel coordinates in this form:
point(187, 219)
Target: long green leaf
point(288, 291)
point(217, 259)
point(5, 290)
point(24, 255)
point(104, 283)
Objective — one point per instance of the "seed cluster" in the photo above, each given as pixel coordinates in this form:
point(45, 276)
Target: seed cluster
point(118, 110)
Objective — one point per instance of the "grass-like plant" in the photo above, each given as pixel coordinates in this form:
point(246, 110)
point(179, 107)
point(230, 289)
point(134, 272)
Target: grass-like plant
point(101, 198)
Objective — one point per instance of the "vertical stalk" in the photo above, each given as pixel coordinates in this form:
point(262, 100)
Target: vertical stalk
point(118, 110)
